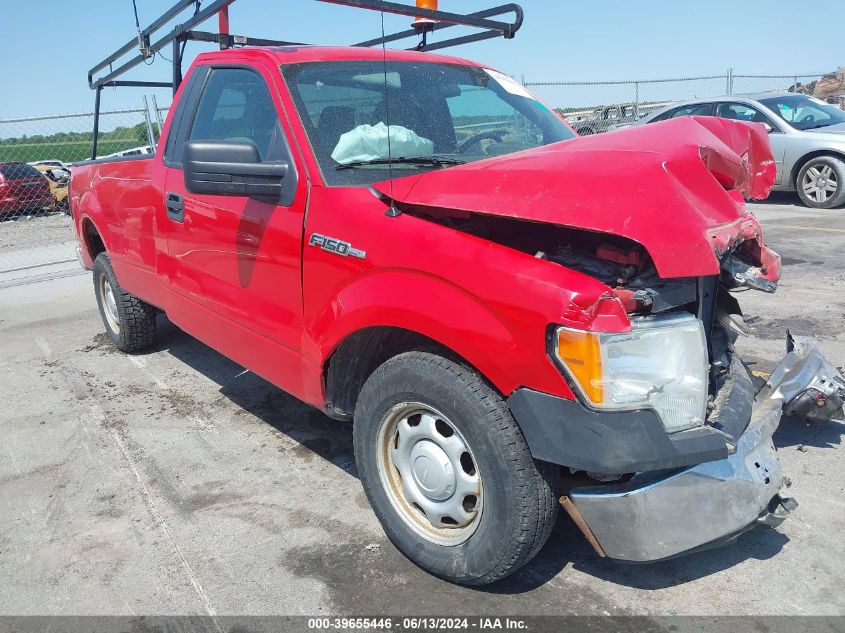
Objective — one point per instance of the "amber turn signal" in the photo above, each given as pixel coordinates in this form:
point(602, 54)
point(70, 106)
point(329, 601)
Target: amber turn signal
point(581, 353)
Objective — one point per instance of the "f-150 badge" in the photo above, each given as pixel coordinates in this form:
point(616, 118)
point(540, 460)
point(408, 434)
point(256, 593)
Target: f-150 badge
point(338, 247)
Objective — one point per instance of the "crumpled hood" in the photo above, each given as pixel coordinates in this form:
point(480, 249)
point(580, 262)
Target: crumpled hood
point(670, 186)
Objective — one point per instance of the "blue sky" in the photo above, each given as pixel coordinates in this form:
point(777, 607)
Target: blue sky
point(53, 42)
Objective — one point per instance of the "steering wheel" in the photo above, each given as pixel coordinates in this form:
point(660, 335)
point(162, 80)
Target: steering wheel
point(808, 119)
point(495, 135)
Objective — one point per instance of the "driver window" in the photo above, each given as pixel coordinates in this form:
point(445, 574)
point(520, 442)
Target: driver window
point(735, 112)
point(742, 112)
point(698, 109)
point(236, 106)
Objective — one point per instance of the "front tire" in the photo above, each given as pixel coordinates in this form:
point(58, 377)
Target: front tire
point(130, 323)
point(821, 182)
point(447, 470)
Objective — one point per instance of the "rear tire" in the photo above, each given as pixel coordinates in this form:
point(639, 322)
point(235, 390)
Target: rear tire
point(130, 323)
point(433, 439)
point(821, 182)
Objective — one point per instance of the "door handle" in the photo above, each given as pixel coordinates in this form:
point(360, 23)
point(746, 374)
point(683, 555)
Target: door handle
point(175, 204)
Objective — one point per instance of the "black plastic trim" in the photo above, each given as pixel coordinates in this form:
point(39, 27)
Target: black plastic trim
point(733, 411)
point(565, 432)
point(183, 117)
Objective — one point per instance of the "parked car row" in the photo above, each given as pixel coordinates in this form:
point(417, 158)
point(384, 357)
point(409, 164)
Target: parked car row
point(602, 119)
point(807, 136)
point(28, 188)
point(42, 185)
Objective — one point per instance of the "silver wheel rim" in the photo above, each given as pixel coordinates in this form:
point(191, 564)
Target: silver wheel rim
point(429, 473)
point(109, 304)
point(819, 183)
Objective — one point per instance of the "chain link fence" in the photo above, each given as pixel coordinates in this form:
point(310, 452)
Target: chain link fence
point(36, 157)
point(592, 107)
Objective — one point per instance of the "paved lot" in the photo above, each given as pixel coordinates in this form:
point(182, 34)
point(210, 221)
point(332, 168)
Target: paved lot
point(173, 482)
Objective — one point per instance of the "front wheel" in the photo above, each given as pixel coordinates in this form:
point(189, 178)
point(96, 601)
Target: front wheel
point(821, 182)
point(448, 472)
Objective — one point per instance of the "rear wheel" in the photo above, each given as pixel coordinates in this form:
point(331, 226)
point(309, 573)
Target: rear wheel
point(448, 472)
point(130, 322)
point(821, 182)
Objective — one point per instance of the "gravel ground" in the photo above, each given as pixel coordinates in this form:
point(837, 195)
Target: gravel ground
point(34, 231)
point(174, 482)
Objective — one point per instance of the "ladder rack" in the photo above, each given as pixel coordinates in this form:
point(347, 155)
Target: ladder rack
point(104, 74)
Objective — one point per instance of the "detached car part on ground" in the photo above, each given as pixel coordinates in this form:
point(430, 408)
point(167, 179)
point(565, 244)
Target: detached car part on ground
point(497, 332)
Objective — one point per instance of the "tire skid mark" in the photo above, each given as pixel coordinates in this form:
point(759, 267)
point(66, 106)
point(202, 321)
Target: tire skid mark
point(99, 414)
point(141, 364)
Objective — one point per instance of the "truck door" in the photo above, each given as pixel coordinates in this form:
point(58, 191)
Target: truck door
point(233, 261)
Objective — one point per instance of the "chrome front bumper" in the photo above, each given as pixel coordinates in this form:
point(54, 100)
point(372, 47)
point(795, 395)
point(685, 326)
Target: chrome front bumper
point(656, 515)
point(651, 517)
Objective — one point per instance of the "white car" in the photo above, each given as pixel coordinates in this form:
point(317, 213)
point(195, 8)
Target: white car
point(50, 163)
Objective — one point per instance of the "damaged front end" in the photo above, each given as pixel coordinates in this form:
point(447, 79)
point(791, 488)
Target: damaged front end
point(714, 502)
point(683, 495)
point(668, 442)
point(661, 511)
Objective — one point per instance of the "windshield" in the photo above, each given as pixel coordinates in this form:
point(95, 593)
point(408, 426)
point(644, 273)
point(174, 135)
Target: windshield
point(803, 112)
point(362, 117)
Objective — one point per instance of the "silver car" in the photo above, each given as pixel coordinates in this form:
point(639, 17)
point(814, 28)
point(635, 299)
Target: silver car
point(807, 137)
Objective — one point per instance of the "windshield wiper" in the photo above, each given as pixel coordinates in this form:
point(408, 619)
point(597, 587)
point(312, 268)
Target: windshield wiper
point(430, 161)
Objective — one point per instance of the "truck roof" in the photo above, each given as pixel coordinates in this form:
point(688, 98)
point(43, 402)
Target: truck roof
point(307, 53)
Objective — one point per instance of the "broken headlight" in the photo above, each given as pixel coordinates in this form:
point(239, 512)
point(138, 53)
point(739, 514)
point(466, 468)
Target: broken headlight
point(660, 364)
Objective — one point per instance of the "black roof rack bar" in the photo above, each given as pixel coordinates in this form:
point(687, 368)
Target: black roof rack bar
point(177, 31)
point(506, 29)
point(455, 41)
point(131, 45)
point(182, 32)
point(137, 84)
point(486, 13)
point(239, 40)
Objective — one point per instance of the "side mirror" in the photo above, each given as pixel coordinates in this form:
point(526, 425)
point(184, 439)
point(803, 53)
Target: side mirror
point(232, 168)
point(768, 127)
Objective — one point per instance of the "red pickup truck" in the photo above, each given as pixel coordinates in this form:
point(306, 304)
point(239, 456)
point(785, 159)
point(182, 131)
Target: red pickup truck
point(514, 318)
